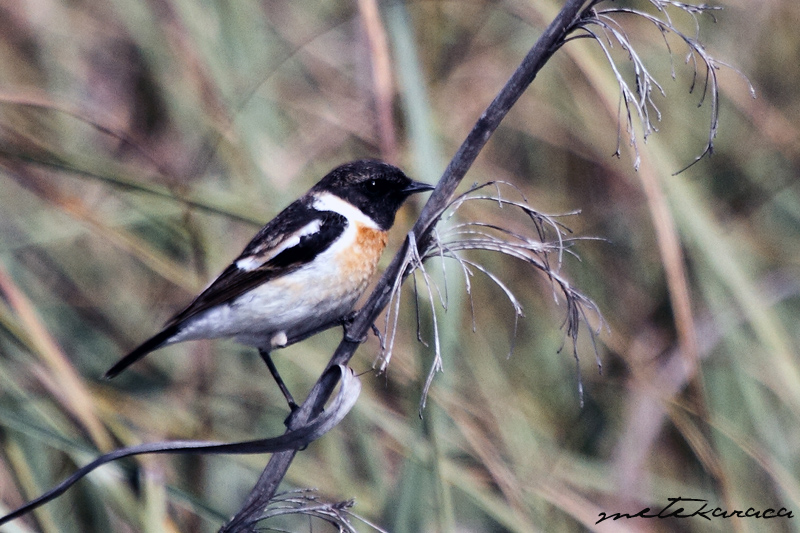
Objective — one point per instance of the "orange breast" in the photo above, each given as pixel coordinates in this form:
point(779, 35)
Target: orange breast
point(358, 262)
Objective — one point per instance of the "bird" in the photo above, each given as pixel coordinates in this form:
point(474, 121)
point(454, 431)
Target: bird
point(302, 272)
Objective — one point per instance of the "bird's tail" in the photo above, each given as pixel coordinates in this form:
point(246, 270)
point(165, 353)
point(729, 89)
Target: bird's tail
point(153, 343)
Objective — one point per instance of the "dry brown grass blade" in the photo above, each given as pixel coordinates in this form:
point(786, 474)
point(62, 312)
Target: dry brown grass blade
point(383, 83)
point(57, 375)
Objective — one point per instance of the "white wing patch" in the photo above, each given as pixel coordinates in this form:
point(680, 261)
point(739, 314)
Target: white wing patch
point(326, 201)
point(249, 263)
point(252, 262)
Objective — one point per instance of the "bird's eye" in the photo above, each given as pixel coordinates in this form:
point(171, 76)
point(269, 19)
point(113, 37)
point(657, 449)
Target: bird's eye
point(372, 185)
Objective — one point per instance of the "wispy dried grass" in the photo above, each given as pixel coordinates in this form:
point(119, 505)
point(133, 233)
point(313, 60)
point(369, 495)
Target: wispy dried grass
point(543, 249)
point(637, 101)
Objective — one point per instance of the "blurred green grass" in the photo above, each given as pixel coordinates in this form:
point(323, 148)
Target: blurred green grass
point(142, 144)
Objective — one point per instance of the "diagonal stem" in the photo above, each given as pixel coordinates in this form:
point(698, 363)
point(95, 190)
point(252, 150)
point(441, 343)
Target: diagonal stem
point(549, 42)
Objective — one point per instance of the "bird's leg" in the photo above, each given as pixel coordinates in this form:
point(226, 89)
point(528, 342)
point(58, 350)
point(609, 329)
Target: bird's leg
point(347, 322)
point(377, 333)
point(265, 355)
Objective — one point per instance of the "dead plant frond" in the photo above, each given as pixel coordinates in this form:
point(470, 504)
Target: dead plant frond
point(306, 502)
point(601, 24)
point(544, 250)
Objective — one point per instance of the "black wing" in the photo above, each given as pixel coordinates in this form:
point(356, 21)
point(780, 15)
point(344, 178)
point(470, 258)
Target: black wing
point(292, 239)
point(235, 280)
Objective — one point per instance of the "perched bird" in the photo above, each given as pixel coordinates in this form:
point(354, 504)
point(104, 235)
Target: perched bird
point(302, 272)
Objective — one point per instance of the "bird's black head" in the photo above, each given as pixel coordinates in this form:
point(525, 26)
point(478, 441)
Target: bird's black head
point(376, 188)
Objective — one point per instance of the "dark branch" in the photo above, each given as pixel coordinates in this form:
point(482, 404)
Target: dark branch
point(550, 41)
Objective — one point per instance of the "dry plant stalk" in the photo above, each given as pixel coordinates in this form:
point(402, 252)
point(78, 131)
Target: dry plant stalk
point(575, 21)
point(424, 242)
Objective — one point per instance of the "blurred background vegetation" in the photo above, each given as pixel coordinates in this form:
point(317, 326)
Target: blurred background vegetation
point(143, 143)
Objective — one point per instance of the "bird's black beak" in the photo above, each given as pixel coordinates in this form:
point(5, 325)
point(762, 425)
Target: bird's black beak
point(418, 186)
